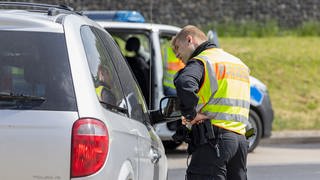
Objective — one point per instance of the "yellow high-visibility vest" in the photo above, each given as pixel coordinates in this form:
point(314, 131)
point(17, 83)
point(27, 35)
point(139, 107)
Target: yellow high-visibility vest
point(99, 91)
point(227, 107)
point(171, 66)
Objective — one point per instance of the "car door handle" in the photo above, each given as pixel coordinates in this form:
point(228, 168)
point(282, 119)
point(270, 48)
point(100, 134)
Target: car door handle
point(154, 155)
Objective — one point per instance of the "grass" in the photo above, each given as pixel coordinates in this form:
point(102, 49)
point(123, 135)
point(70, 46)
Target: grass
point(290, 67)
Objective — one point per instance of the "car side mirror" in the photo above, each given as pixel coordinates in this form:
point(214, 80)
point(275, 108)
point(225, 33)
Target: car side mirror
point(170, 107)
point(169, 110)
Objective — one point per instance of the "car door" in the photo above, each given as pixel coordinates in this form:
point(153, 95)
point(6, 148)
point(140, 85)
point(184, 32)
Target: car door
point(124, 149)
point(137, 111)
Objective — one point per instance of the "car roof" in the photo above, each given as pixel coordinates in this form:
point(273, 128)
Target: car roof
point(23, 20)
point(143, 26)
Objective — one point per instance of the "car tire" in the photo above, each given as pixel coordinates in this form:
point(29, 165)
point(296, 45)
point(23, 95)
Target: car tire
point(255, 122)
point(171, 145)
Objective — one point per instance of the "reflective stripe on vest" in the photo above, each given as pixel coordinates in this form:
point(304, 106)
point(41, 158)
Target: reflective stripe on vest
point(172, 66)
point(228, 107)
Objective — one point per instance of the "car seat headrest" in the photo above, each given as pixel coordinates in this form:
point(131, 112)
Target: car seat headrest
point(133, 44)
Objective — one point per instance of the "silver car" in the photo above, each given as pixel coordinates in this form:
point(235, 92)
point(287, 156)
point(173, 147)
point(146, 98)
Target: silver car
point(69, 105)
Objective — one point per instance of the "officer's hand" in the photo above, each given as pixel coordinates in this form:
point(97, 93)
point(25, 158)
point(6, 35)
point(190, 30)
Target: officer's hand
point(200, 118)
point(184, 121)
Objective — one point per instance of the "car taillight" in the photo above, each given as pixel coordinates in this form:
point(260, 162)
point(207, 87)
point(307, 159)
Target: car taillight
point(90, 143)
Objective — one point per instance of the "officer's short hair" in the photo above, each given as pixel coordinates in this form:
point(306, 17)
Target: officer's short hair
point(189, 30)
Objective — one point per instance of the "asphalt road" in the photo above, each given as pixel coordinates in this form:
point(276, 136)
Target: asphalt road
point(270, 161)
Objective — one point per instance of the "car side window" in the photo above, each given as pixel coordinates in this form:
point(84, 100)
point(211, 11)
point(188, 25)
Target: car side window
point(104, 75)
point(135, 100)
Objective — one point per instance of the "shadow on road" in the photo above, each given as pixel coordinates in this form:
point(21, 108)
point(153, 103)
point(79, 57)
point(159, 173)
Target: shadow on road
point(182, 152)
point(182, 149)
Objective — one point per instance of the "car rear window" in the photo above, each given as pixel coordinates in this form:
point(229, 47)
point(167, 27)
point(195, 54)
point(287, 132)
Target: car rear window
point(36, 65)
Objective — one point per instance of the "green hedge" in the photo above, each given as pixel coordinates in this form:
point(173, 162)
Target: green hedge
point(263, 29)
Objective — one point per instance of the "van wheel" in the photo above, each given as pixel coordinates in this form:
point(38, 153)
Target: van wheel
point(255, 123)
point(170, 145)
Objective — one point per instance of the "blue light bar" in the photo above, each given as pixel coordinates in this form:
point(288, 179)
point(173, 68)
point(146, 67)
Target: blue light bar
point(121, 16)
point(128, 16)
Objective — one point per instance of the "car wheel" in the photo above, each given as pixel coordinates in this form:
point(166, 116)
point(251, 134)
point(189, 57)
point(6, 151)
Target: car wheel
point(255, 123)
point(171, 145)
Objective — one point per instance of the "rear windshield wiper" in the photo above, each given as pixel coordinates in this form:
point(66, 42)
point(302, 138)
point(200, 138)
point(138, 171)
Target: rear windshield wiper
point(22, 97)
point(19, 101)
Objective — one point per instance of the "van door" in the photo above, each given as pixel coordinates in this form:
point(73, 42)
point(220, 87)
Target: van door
point(138, 112)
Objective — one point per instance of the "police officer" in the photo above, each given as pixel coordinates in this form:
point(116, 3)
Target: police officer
point(103, 89)
point(171, 65)
point(213, 89)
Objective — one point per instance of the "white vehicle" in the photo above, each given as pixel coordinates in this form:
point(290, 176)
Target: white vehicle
point(124, 25)
point(69, 105)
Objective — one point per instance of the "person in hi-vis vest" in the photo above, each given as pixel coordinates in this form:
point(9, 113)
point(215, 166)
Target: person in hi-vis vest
point(103, 89)
point(171, 65)
point(214, 93)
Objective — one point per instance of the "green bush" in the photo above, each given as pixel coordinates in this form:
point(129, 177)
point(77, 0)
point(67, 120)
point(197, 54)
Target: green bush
point(263, 29)
point(310, 28)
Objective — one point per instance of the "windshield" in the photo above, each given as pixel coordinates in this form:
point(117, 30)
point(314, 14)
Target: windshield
point(34, 69)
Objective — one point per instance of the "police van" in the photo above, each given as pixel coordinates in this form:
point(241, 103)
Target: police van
point(143, 46)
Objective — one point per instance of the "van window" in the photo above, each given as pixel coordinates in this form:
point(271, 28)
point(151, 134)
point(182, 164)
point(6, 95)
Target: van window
point(107, 85)
point(35, 65)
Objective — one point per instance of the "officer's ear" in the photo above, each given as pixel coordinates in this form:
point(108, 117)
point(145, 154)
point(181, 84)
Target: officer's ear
point(189, 39)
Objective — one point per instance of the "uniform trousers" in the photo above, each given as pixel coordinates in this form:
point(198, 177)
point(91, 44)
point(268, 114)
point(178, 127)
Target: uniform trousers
point(225, 159)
